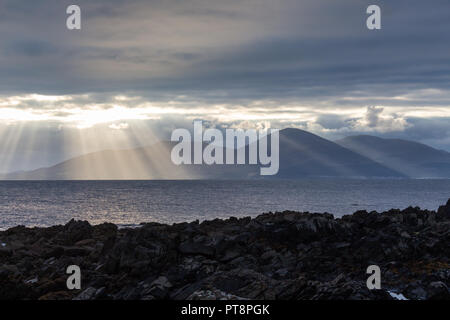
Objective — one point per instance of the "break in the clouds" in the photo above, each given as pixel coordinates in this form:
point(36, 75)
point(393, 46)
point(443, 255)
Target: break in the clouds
point(310, 64)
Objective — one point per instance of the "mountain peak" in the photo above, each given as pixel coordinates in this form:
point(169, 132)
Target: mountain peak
point(411, 158)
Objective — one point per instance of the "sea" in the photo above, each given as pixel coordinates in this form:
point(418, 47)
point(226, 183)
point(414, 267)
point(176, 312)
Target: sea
point(130, 203)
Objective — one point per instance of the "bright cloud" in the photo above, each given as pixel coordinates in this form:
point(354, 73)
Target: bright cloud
point(84, 111)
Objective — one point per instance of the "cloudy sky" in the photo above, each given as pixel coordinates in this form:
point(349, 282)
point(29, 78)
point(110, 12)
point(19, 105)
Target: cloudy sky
point(140, 68)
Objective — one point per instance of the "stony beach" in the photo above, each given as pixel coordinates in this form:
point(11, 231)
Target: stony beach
point(283, 255)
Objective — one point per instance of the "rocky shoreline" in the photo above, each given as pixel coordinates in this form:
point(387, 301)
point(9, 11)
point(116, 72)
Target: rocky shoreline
point(285, 255)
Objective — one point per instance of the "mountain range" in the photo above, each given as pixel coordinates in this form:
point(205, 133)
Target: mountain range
point(410, 158)
point(302, 155)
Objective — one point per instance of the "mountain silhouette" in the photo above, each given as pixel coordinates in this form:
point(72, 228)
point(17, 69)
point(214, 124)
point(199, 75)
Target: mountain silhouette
point(302, 155)
point(413, 159)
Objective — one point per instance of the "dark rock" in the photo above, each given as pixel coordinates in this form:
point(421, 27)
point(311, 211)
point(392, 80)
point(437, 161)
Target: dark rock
point(189, 247)
point(87, 294)
point(77, 251)
point(283, 255)
point(415, 291)
point(5, 252)
point(75, 231)
point(443, 212)
point(438, 290)
point(58, 295)
point(56, 252)
point(184, 292)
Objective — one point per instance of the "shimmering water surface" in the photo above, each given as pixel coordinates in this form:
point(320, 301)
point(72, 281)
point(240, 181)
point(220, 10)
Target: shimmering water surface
point(45, 203)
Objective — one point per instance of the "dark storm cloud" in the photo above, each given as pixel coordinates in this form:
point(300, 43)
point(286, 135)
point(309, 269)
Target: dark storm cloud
point(254, 49)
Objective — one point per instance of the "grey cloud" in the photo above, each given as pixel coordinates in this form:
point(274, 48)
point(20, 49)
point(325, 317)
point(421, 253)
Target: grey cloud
point(331, 121)
point(299, 50)
point(432, 131)
point(373, 116)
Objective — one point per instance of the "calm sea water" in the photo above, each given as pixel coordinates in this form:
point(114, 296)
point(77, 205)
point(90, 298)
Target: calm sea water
point(45, 203)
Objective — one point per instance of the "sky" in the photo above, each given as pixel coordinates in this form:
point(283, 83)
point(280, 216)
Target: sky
point(138, 69)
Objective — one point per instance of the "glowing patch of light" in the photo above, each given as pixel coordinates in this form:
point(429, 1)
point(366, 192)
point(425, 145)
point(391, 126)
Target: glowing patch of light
point(86, 118)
